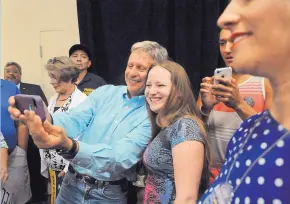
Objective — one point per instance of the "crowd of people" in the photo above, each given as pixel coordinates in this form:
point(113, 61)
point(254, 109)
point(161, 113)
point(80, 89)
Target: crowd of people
point(151, 137)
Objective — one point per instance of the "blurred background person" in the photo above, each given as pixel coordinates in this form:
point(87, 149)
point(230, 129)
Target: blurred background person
point(13, 73)
point(63, 74)
point(224, 109)
point(86, 82)
point(177, 159)
point(14, 173)
point(256, 168)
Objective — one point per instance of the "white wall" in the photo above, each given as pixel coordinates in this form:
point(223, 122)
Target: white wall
point(21, 24)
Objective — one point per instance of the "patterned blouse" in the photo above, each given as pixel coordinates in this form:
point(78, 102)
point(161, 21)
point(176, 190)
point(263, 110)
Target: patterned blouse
point(49, 157)
point(257, 165)
point(160, 185)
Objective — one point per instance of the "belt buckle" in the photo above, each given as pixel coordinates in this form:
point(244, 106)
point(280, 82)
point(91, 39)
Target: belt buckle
point(86, 179)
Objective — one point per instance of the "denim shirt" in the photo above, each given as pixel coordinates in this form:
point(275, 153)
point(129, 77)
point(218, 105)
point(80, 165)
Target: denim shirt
point(113, 131)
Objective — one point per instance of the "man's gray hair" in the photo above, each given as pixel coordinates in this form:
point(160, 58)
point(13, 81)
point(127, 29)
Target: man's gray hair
point(154, 49)
point(14, 64)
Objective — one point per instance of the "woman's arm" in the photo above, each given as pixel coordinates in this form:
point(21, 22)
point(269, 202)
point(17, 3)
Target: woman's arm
point(188, 150)
point(188, 158)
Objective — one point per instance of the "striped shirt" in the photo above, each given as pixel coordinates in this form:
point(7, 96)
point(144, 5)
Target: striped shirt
point(224, 121)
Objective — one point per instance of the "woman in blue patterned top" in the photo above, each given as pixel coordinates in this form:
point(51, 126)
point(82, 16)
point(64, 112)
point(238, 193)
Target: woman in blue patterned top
point(177, 159)
point(257, 164)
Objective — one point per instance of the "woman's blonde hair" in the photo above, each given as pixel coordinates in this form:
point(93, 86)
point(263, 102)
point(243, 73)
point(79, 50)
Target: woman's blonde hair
point(64, 68)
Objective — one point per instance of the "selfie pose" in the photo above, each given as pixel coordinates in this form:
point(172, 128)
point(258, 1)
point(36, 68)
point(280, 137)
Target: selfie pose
point(256, 168)
point(104, 137)
point(226, 105)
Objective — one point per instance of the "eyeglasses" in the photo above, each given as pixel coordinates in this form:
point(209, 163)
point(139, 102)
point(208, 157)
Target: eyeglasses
point(9, 71)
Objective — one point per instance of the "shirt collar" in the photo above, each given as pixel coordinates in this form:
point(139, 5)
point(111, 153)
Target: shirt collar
point(86, 78)
point(136, 101)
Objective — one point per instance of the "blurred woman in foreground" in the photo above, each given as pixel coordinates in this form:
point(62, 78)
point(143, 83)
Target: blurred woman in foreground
point(257, 165)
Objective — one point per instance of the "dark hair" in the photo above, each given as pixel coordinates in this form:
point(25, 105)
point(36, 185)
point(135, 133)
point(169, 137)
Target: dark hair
point(64, 68)
point(14, 64)
point(180, 104)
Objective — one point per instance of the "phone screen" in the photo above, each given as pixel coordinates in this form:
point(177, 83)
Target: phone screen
point(31, 107)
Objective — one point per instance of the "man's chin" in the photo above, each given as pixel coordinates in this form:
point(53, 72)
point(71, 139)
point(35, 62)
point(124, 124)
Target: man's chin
point(13, 81)
point(83, 69)
point(135, 92)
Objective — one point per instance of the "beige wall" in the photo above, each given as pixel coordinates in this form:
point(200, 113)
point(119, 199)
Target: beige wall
point(21, 27)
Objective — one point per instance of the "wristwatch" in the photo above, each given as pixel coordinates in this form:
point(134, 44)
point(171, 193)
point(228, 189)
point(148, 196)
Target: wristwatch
point(68, 154)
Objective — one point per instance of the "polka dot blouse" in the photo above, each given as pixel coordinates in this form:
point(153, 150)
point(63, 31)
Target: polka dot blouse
point(257, 165)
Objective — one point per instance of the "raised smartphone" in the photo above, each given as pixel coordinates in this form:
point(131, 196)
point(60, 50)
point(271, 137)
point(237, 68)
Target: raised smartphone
point(30, 102)
point(225, 72)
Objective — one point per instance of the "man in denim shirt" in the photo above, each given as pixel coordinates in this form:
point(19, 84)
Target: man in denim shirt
point(112, 128)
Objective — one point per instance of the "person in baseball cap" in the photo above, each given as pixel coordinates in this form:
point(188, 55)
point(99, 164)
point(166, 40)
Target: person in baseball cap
point(81, 57)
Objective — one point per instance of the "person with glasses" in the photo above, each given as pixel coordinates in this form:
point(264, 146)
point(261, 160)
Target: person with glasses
point(62, 73)
point(112, 127)
point(13, 73)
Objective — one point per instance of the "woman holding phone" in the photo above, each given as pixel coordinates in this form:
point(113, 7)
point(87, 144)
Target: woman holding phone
point(256, 168)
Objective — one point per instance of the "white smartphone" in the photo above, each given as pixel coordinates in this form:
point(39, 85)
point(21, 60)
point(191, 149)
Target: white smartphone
point(224, 72)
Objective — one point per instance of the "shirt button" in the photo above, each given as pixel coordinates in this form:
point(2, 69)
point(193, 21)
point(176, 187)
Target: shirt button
point(78, 162)
point(107, 138)
point(116, 121)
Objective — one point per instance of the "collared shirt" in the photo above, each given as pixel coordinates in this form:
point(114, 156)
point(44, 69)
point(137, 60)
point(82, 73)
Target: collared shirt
point(113, 132)
point(7, 127)
point(90, 82)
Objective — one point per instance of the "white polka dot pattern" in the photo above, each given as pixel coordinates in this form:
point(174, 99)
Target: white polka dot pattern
point(265, 153)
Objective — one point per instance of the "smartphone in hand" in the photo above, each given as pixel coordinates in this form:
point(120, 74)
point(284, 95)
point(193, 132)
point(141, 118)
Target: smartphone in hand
point(225, 72)
point(30, 102)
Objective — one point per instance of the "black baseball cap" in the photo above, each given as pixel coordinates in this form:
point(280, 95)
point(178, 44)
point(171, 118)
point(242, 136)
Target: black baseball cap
point(79, 47)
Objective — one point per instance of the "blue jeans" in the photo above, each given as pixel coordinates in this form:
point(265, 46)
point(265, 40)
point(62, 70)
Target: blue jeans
point(75, 191)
